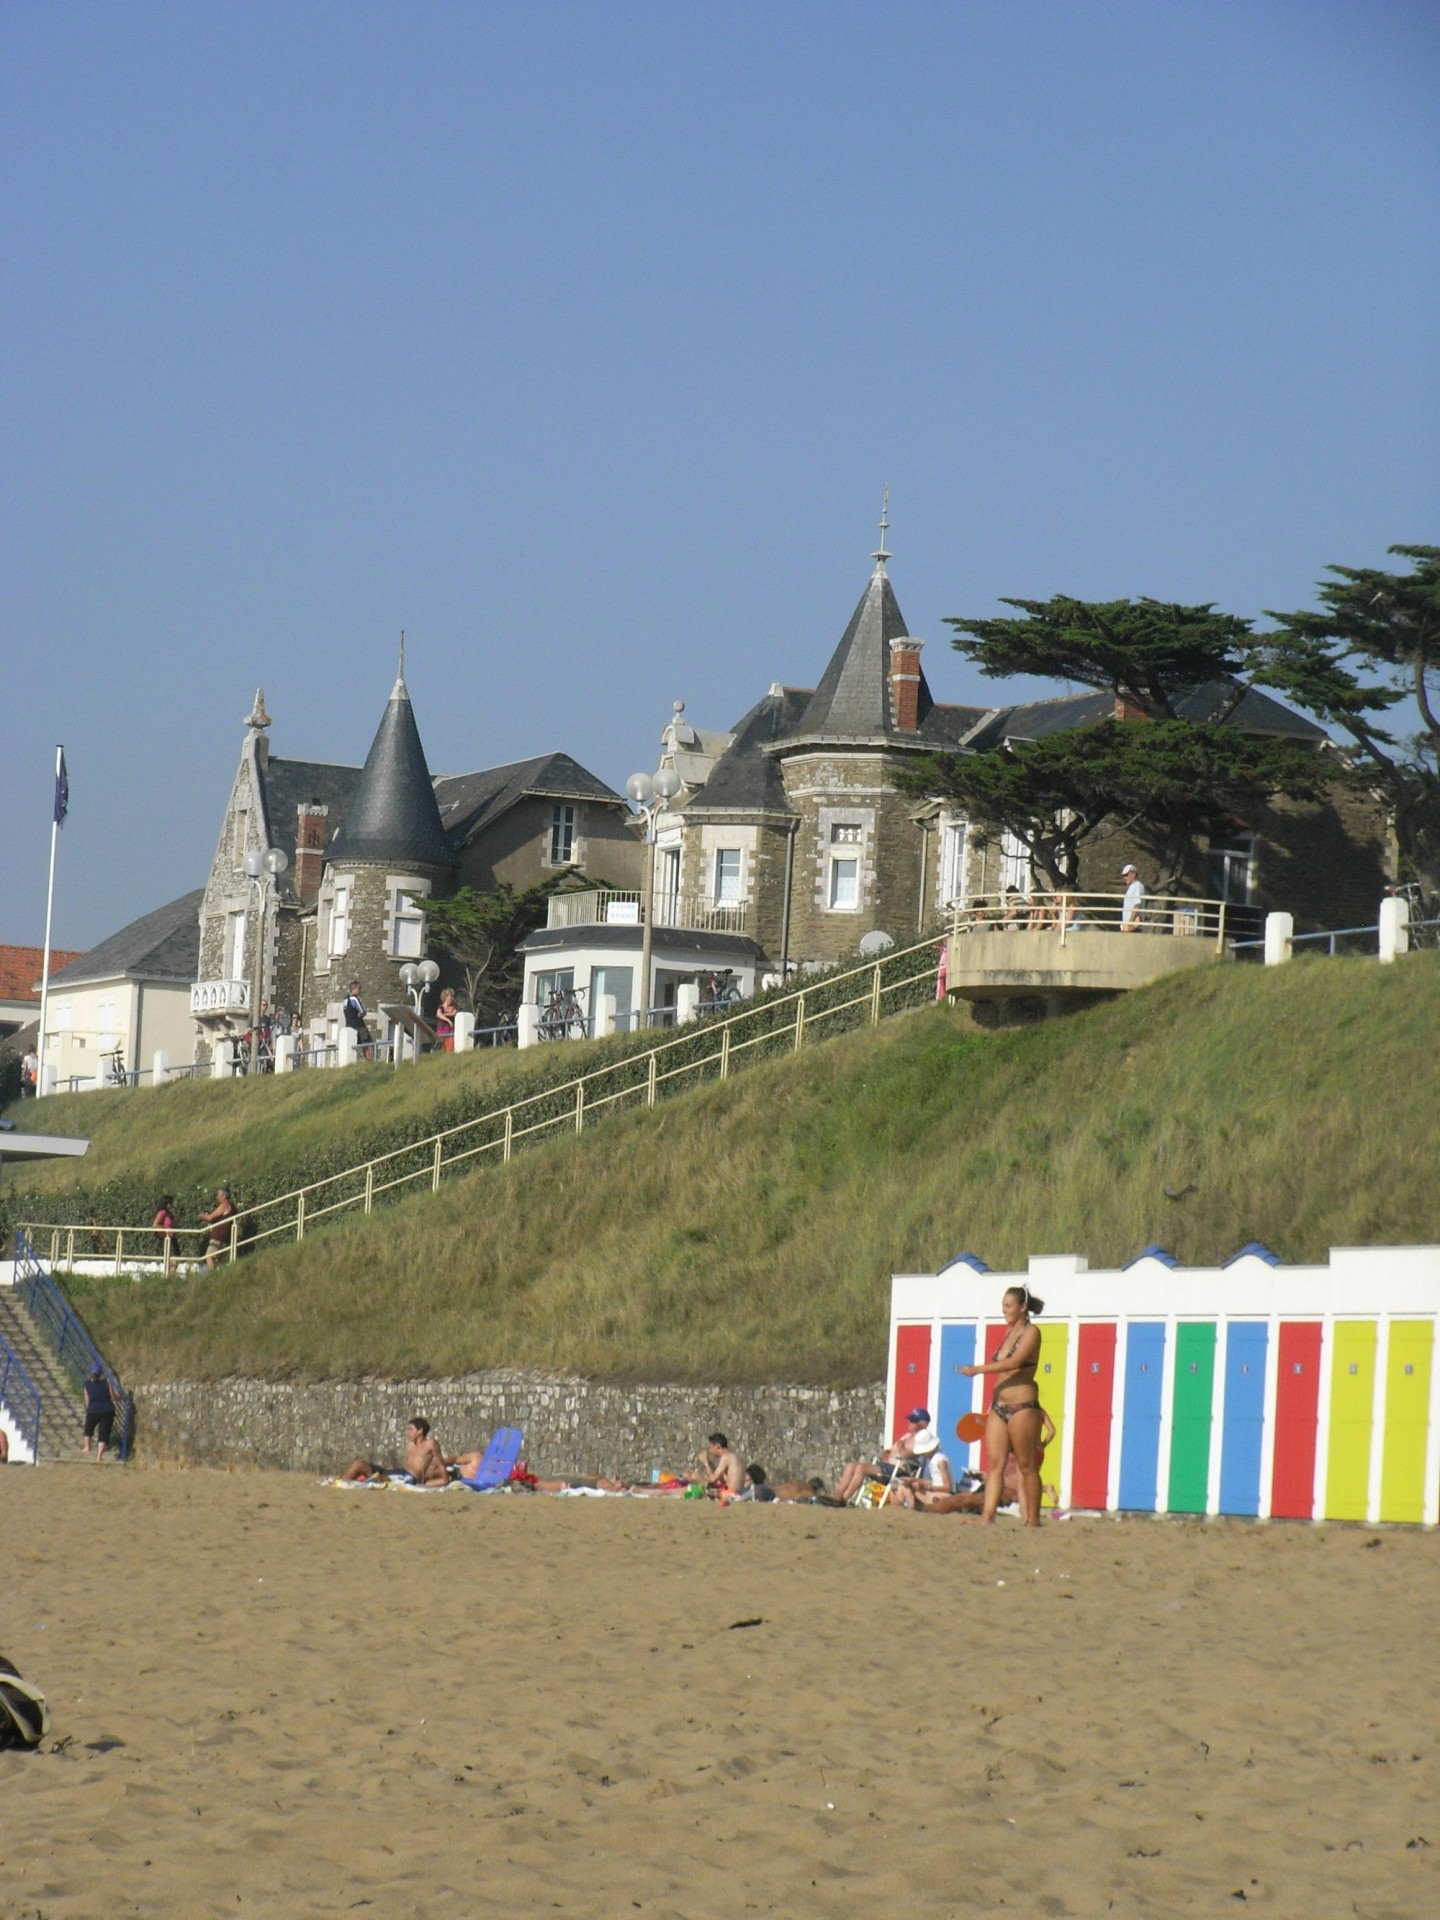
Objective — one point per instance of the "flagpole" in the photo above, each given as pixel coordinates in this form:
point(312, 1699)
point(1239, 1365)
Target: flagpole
point(49, 913)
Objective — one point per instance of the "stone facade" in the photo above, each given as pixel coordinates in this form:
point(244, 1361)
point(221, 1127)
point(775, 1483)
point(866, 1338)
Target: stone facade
point(570, 1425)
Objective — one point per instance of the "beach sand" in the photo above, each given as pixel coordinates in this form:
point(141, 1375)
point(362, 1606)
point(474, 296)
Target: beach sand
point(271, 1697)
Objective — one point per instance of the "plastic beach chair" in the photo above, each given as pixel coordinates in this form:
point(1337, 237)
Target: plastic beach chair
point(500, 1456)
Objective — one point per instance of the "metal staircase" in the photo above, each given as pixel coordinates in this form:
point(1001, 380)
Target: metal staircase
point(63, 1414)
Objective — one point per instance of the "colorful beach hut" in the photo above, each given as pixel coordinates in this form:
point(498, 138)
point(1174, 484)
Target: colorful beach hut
point(1254, 1389)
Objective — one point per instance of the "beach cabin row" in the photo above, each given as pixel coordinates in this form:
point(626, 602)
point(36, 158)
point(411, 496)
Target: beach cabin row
point(1255, 1389)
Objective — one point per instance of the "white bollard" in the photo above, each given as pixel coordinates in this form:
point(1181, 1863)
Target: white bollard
point(687, 1004)
point(464, 1033)
point(285, 1053)
point(1279, 933)
point(606, 1006)
point(1394, 928)
point(49, 1079)
point(220, 1060)
point(527, 1025)
point(345, 1050)
point(159, 1067)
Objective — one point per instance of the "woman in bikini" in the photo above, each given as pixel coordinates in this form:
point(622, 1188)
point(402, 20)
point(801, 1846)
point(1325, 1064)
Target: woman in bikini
point(1015, 1417)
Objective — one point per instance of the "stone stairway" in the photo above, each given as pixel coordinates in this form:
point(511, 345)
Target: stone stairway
point(62, 1415)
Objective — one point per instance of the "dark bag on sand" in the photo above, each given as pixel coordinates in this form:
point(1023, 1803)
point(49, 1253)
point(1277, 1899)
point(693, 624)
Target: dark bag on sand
point(24, 1717)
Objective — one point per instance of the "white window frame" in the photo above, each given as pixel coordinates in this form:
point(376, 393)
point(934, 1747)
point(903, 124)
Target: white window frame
point(724, 895)
point(954, 855)
point(1017, 868)
point(667, 888)
point(407, 926)
point(564, 831)
point(236, 943)
point(838, 883)
point(1238, 856)
point(337, 934)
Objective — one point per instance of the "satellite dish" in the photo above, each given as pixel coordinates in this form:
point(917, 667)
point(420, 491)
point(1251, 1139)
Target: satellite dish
point(875, 943)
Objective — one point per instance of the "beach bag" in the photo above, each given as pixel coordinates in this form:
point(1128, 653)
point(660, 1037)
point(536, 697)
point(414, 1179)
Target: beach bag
point(24, 1717)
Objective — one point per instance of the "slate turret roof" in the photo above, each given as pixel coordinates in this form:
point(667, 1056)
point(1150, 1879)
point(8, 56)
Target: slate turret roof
point(392, 816)
point(852, 701)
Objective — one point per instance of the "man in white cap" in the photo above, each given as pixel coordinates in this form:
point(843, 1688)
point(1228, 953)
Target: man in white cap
point(1132, 908)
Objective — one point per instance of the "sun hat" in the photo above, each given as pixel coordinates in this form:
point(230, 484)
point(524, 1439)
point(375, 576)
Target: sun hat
point(926, 1442)
point(1129, 867)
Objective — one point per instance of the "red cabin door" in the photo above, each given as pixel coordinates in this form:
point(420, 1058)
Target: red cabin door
point(1094, 1398)
point(912, 1374)
point(1297, 1418)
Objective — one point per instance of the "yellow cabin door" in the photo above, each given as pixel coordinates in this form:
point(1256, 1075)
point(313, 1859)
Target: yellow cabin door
point(1407, 1419)
point(1352, 1406)
point(1050, 1381)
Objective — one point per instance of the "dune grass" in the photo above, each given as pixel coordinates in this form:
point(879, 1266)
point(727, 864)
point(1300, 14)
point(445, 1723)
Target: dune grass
point(747, 1232)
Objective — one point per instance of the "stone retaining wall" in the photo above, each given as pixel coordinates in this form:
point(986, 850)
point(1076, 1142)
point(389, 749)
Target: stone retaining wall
point(570, 1425)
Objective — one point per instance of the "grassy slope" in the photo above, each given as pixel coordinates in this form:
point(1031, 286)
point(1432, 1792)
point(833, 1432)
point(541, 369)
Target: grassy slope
point(750, 1234)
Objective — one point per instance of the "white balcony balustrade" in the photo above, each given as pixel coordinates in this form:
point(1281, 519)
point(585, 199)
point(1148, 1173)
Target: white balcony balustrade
point(610, 906)
point(218, 999)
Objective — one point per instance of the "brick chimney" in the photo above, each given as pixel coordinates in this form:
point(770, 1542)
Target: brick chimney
point(311, 820)
point(905, 682)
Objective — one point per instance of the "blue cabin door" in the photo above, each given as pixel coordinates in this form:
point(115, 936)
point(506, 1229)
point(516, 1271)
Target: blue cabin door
point(1140, 1416)
point(1244, 1417)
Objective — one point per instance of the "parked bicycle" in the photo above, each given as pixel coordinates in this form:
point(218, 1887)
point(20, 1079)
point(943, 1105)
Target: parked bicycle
point(1424, 916)
point(720, 991)
point(563, 1017)
point(115, 1074)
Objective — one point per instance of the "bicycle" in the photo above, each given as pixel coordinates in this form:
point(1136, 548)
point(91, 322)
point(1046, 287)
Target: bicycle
point(1423, 919)
point(721, 991)
point(563, 1017)
point(115, 1074)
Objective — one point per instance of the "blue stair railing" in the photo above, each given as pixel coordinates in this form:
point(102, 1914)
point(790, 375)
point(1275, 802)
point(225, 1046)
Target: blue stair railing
point(65, 1332)
point(20, 1397)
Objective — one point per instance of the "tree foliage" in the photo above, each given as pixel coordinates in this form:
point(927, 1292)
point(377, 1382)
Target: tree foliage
point(1168, 777)
point(479, 933)
point(1375, 645)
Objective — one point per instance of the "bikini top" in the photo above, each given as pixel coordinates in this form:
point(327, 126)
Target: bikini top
point(1000, 1353)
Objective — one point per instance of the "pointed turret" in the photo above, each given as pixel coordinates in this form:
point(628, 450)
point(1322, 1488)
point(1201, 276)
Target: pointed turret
point(393, 817)
point(856, 698)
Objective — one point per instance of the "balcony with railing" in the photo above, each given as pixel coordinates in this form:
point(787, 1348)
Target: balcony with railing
point(218, 999)
point(614, 907)
point(1063, 944)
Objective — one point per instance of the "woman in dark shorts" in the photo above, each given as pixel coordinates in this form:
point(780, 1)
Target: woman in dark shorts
point(99, 1412)
point(1013, 1423)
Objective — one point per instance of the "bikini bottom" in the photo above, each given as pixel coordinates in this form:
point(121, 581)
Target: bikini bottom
point(1007, 1409)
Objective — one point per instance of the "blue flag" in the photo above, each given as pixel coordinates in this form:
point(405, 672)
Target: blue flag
point(62, 790)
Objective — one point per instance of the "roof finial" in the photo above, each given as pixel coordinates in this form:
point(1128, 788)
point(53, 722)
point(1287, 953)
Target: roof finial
point(400, 691)
point(881, 556)
point(258, 719)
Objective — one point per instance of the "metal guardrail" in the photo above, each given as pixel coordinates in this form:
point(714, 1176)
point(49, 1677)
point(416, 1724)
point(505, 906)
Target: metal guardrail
point(1062, 914)
point(1330, 935)
point(66, 1333)
point(20, 1397)
point(737, 1038)
point(616, 906)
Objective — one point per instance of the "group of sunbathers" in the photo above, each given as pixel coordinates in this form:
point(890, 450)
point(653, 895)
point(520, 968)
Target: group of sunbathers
point(720, 1474)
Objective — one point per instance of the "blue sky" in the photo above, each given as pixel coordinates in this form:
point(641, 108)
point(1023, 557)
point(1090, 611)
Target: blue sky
point(580, 340)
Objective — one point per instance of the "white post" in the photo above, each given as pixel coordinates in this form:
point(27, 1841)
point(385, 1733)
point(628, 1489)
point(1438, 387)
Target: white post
point(1394, 928)
point(464, 1033)
point(527, 1025)
point(159, 1067)
point(220, 1057)
point(1279, 932)
point(345, 1056)
point(397, 1044)
point(605, 1010)
point(285, 1053)
point(41, 1083)
point(687, 1003)
point(48, 1079)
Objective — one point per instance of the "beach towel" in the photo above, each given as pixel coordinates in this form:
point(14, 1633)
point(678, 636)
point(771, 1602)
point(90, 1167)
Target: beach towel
point(24, 1716)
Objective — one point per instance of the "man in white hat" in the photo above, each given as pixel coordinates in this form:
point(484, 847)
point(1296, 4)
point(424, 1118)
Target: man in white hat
point(1132, 909)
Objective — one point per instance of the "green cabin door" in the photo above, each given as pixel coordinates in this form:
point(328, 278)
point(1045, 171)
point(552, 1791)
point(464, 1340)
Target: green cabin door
point(1190, 1417)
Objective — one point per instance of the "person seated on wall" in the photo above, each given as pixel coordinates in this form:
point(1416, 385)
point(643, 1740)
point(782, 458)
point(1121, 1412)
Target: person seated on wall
point(902, 1452)
point(424, 1465)
point(1044, 912)
point(932, 1473)
point(1016, 907)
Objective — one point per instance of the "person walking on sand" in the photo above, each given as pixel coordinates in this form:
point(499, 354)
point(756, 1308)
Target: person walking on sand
point(99, 1412)
point(1013, 1425)
point(221, 1232)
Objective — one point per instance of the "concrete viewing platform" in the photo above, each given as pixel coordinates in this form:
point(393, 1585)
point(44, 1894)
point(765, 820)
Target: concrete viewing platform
point(1064, 947)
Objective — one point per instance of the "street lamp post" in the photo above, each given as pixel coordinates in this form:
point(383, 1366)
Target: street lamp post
point(263, 870)
point(416, 982)
point(651, 794)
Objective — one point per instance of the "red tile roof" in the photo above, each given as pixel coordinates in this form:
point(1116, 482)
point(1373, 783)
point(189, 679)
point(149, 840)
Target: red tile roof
point(20, 970)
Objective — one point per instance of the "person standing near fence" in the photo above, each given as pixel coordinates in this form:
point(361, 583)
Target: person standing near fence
point(355, 1015)
point(164, 1226)
point(219, 1221)
point(1132, 908)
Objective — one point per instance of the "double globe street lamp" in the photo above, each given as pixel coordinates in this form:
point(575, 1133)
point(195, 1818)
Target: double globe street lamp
point(651, 794)
point(417, 981)
point(263, 871)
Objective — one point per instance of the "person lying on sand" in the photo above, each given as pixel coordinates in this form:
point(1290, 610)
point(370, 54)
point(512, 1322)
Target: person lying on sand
point(804, 1492)
point(424, 1465)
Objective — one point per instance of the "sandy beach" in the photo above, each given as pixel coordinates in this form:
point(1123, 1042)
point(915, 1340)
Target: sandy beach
point(272, 1697)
